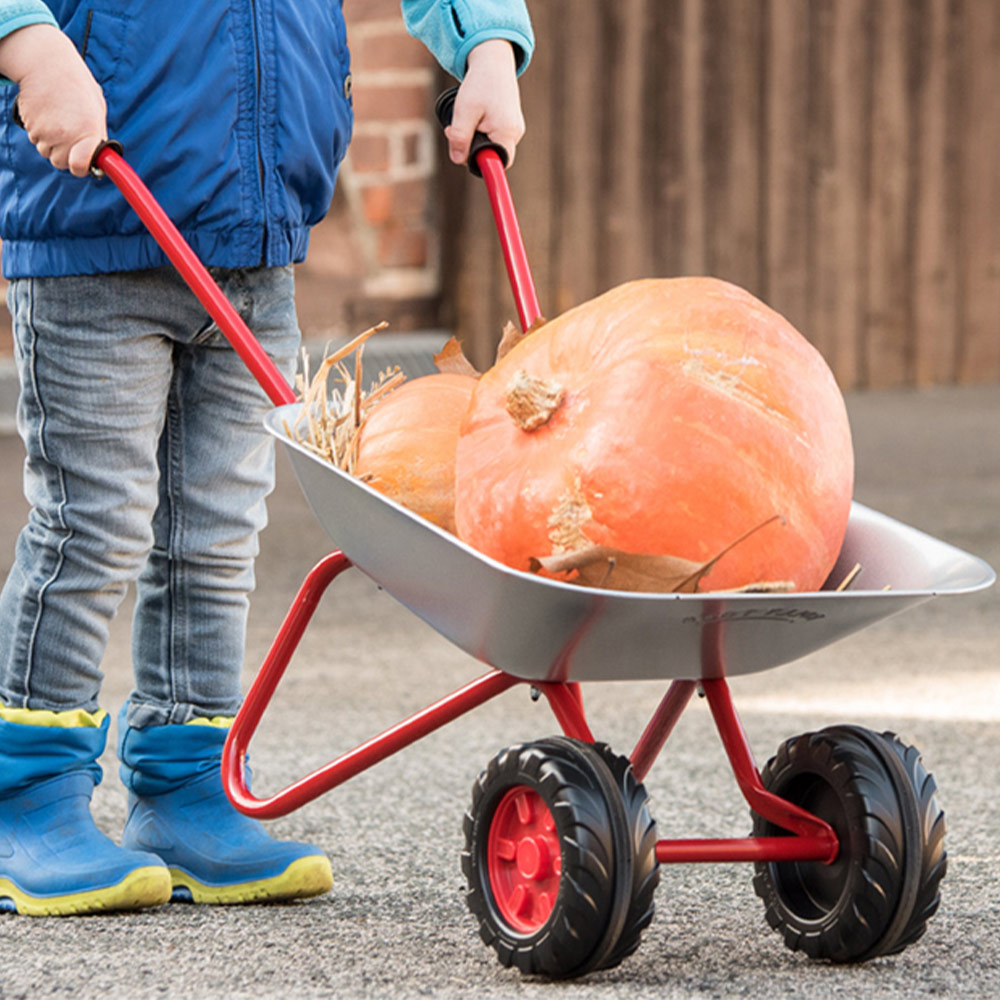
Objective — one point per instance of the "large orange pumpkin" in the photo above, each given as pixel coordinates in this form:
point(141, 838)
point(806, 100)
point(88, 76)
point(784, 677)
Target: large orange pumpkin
point(406, 446)
point(667, 417)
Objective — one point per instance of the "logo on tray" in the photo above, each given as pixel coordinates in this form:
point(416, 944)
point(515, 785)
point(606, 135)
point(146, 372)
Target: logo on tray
point(789, 616)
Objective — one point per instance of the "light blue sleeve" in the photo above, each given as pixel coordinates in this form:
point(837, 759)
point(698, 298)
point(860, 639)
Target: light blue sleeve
point(16, 14)
point(451, 29)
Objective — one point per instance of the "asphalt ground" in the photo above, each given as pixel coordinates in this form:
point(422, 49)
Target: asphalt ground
point(395, 924)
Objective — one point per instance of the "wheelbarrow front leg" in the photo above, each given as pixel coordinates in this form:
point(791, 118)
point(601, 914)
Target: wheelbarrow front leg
point(813, 839)
point(354, 761)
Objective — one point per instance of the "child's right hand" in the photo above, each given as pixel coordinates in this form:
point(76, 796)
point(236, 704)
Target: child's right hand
point(61, 104)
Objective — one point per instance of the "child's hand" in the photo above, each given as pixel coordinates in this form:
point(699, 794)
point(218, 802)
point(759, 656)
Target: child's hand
point(488, 101)
point(60, 102)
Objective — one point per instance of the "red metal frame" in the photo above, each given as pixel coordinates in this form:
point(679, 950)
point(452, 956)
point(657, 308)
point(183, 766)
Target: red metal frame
point(195, 274)
point(660, 726)
point(810, 838)
point(346, 766)
point(515, 257)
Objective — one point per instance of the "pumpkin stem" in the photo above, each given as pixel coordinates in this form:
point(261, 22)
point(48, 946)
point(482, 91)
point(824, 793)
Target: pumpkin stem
point(531, 401)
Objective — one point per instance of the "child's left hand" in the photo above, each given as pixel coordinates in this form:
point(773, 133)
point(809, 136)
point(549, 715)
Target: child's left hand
point(488, 101)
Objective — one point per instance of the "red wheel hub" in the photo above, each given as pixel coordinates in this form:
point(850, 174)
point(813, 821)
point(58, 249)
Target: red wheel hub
point(524, 859)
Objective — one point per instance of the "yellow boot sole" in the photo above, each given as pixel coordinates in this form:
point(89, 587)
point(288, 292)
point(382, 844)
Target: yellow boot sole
point(309, 876)
point(140, 889)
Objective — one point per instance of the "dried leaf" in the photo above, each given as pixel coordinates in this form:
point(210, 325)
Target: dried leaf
point(512, 336)
point(451, 360)
point(601, 566)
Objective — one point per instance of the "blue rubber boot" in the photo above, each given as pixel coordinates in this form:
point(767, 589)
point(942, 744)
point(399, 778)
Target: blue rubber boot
point(179, 811)
point(53, 859)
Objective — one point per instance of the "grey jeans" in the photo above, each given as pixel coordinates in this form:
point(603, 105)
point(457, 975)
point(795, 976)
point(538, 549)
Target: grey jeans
point(146, 462)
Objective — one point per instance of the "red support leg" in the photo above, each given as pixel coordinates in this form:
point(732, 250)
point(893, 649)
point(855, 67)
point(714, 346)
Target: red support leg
point(566, 702)
point(813, 839)
point(764, 803)
point(353, 762)
point(660, 727)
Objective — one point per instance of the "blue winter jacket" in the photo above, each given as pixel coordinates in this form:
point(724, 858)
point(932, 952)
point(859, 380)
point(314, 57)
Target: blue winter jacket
point(236, 114)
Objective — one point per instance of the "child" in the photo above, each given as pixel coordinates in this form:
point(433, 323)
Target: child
point(145, 458)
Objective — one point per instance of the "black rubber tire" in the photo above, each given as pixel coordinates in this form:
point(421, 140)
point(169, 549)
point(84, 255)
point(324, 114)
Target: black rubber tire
point(593, 894)
point(842, 911)
point(598, 757)
point(926, 858)
point(645, 867)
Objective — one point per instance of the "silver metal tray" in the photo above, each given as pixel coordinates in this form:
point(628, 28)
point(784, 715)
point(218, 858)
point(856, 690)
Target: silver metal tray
point(545, 630)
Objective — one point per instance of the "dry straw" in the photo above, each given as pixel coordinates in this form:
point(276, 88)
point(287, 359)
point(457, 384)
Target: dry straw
point(331, 418)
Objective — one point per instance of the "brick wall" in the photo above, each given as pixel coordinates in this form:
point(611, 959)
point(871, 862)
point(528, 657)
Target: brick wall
point(376, 256)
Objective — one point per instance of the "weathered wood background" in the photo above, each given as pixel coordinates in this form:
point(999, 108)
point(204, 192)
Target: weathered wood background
point(839, 158)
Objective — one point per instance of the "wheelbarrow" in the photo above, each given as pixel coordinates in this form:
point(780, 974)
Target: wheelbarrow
point(561, 855)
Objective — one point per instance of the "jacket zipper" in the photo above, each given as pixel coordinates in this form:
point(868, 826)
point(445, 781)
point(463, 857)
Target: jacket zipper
point(257, 137)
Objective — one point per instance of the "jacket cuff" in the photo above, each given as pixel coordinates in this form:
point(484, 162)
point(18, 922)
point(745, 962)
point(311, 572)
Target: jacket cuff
point(451, 29)
point(25, 14)
point(522, 49)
